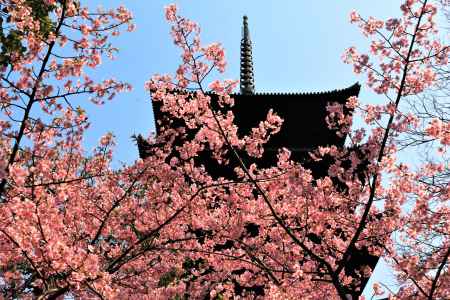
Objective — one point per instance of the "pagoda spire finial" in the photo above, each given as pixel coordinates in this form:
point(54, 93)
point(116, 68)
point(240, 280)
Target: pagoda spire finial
point(247, 80)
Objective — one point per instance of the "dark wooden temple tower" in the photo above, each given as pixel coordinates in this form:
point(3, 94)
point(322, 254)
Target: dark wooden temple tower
point(303, 130)
point(304, 127)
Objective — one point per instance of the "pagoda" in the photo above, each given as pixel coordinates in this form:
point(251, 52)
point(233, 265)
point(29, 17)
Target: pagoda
point(304, 129)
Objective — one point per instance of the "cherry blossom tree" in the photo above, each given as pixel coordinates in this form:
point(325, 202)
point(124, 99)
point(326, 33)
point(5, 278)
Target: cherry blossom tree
point(41, 158)
point(163, 227)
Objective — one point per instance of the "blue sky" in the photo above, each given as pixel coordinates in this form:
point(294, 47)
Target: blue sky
point(297, 46)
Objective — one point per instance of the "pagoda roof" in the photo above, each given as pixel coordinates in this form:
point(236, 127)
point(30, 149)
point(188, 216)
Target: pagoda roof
point(304, 127)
